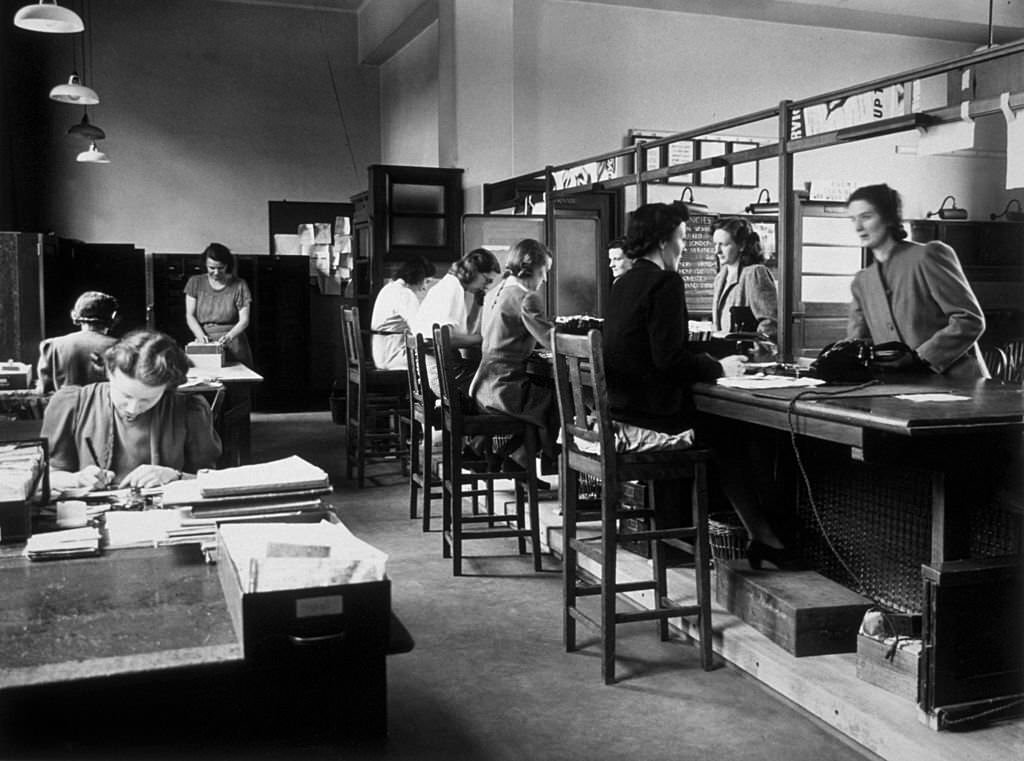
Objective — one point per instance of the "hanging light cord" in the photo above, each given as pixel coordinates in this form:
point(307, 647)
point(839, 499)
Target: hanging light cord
point(337, 98)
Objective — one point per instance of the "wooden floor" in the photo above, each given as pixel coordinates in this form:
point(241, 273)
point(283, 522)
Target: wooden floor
point(826, 685)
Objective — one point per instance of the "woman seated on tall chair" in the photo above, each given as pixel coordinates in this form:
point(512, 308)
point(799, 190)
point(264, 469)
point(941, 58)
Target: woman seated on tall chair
point(513, 323)
point(394, 308)
point(134, 429)
point(650, 370)
point(455, 301)
point(75, 359)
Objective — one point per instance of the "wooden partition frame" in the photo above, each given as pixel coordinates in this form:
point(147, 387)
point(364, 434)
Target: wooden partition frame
point(784, 150)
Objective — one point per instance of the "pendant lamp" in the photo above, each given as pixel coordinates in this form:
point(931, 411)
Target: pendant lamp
point(93, 156)
point(48, 17)
point(74, 92)
point(86, 129)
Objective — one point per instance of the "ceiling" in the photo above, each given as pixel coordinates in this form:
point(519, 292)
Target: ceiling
point(955, 20)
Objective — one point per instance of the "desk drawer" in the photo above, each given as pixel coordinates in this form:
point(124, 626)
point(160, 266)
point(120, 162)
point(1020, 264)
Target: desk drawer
point(333, 624)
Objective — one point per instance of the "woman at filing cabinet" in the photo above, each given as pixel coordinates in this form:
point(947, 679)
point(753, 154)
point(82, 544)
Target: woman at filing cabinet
point(512, 324)
point(217, 305)
point(76, 359)
point(134, 429)
point(650, 370)
point(915, 294)
point(743, 280)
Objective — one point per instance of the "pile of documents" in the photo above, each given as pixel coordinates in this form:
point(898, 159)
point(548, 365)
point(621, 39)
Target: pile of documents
point(273, 556)
point(20, 467)
point(75, 542)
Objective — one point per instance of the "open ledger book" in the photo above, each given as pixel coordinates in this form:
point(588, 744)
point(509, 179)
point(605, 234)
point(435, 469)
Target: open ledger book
point(289, 477)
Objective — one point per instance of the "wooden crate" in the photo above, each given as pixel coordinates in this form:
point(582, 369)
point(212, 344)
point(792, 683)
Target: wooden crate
point(898, 675)
point(801, 611)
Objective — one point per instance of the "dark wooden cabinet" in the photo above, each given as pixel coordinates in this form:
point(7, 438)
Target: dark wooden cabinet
point(407, 211)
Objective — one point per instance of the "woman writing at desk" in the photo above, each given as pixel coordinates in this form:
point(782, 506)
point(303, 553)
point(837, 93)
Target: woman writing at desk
point(134, 429)
point(915, 294)
point(217, 305)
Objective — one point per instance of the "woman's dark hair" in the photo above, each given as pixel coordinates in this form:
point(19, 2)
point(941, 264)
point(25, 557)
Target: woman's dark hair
point(148, 356)
point(477, 261)
point(221, 253)
point(96, 308)
point(415, 270)
point(616, 243)
point(742, 235)
point(526, 257)
point(651, 225)
point(887, 203)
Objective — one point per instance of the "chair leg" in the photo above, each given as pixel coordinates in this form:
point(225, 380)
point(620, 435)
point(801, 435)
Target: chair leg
point(446, 502)
point(414, 462)
point(702, 562)
point(658, 569)
point(569, 491)
point(426, 466)
point(456, 508)
point(521, 496)
point(534, 507)
point(609, 545)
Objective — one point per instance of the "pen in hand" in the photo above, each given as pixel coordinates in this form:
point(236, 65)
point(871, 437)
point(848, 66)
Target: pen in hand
point(95, 458)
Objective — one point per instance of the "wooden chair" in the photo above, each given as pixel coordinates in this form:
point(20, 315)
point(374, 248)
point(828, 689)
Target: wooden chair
point(458, 483)
point(997, 363)
point(425, 417)
point(373, 401)
point(590, 450)
point(1014, 351)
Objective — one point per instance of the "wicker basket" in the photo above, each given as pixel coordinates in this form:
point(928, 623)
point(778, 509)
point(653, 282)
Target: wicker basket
point(728, 537)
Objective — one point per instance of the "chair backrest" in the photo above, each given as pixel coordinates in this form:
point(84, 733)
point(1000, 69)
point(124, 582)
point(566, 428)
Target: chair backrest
point(997, 363)
point(421, 395)
point(452, 402)
point(352, 337)
point(1014, 351)
point(583, 404)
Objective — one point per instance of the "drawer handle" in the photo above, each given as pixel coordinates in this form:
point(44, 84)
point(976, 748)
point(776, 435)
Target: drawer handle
point(303, 641)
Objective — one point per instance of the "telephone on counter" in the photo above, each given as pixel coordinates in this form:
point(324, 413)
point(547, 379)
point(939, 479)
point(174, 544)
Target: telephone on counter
point(856, 360)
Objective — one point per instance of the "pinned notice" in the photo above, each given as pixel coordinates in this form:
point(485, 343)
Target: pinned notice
point(1014, 144)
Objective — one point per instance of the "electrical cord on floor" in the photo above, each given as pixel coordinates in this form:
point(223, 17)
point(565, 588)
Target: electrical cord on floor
point(790, 411)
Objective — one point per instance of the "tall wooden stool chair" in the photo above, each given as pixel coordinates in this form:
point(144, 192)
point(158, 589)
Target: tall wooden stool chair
point(373, 403)
point(459, 423)
point(590, 450)
point(425, 417)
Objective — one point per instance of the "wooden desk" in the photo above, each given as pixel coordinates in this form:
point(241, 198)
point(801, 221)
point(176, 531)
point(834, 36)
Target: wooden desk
point(22, 404)
point(137, 646)
point(954, 442)
point(232, 418)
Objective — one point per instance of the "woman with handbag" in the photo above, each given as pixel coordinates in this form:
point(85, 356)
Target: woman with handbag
point(744, 293)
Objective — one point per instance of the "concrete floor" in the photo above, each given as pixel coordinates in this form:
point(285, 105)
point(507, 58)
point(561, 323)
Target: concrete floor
point(489, 677)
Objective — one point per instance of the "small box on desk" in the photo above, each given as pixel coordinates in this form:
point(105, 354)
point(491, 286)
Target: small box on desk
point(801, 611)
point(334, 624)
point(206, 356)
point(15, 375)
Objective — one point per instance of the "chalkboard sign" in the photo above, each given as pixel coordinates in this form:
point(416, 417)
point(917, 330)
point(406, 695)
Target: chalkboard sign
point(697, 265)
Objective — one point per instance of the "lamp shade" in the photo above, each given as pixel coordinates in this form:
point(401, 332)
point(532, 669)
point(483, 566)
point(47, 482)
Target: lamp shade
point(93, 156)
point(48, 17)
point(74, 92)
point(86, 129)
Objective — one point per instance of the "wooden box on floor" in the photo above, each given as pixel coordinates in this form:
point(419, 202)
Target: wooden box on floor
point(898, 675)
point(801, 611)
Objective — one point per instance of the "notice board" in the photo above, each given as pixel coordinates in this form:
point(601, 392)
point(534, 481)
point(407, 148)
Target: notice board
point(698, 264)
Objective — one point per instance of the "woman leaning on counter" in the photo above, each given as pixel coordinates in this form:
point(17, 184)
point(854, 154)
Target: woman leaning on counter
point(217, 305)
point(134, 429)
point(915, 294)
point(743, 280)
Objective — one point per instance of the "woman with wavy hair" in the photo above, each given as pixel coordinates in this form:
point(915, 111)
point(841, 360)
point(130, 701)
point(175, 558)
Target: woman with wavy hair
point(744, 285)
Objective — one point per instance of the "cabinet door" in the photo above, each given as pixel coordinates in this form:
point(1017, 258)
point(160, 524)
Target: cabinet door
point(280, 333)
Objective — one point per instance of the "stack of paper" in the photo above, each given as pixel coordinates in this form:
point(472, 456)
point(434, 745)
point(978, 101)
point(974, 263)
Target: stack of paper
point(271, 556)
point(287, 475)
point(73, 542)
point(20, 466)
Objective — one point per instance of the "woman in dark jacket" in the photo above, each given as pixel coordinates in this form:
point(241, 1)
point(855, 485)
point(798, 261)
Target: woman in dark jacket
point(650, 369)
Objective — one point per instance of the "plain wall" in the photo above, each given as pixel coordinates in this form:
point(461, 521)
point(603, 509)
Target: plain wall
point(211, 110)
point(409, 103)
